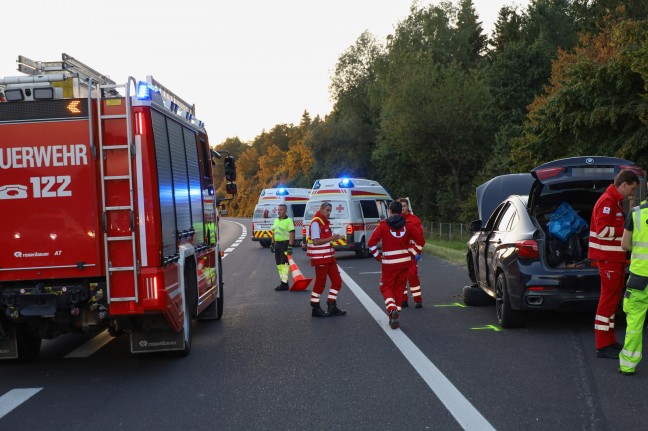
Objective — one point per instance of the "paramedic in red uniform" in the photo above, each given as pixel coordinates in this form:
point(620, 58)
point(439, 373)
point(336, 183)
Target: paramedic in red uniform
point(397, 235)
point(412, 274)
point(322, 255)
point(606, 229)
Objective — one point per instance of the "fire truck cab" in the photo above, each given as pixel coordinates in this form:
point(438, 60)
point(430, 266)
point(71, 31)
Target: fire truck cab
point(109, 214)
point(358, 206)
point(266, 211)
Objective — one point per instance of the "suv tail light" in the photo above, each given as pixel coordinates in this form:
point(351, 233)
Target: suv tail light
point(548, 172)
point(349, 229)
point(304, 231)
point(527, 249)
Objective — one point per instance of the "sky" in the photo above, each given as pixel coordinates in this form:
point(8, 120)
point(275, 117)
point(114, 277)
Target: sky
point(246, 65)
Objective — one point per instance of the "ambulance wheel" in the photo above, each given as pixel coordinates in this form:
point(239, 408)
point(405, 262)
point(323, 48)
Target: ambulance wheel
point(265, 243)
point(506, 316)
point(363, 251)
point(29, 343)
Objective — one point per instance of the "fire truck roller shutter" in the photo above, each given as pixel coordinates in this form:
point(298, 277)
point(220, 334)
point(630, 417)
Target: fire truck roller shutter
point(195, 195)
point(180, 177)
point(165, 183)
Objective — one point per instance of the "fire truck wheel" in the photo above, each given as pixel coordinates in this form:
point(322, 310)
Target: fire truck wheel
point(187, 326)
point(221, 283)
point(29, 343)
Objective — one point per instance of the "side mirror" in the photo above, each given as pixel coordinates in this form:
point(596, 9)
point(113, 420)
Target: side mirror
point(223, 210)
point(231, 188)
point(475, 225)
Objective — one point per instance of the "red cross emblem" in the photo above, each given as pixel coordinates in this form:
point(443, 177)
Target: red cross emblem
point(339, 208)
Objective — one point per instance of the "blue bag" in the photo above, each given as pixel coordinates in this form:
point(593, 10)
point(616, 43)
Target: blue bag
point(564, 222)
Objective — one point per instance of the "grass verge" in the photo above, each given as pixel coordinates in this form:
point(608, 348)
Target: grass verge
point(452, 251)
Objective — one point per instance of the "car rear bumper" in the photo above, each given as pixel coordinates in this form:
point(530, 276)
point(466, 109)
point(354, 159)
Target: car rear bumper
point(572, 289)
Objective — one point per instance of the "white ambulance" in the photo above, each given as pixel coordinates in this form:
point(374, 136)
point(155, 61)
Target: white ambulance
point(266, 211)
point(358, 206)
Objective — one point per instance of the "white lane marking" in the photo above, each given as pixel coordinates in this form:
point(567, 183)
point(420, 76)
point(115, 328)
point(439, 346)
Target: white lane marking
point(14, 398)
point(91, 346)
point(238, 241)
point(464, 412)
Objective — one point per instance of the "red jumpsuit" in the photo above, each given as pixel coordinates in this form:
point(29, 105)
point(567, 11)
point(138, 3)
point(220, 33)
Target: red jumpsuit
point(396, 234)
point(606, 229)
point(412, 273)
point(323, 259)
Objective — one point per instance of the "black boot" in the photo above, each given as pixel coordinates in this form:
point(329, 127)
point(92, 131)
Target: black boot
point(318, 312)
point(282, 286)
point(333, 309)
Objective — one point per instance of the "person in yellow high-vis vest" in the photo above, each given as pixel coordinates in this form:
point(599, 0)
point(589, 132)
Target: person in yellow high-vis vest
point(635, 299)
point(283, 238)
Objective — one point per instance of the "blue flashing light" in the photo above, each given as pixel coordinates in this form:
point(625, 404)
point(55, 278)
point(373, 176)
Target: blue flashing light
point(345, 183)
point(317, 185)
point(143, 91)
point(282, 191)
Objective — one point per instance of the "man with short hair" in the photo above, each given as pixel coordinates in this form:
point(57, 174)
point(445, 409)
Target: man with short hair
point(412, 273)
point(606, 228)
point(283, 238)
point(397, 235)
point(322, 254)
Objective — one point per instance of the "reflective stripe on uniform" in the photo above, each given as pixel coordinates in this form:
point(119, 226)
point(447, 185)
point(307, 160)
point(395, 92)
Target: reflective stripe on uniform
point(628, 364)
point(607, 247)
point(630, 353)
point(393, 252)
point(602, 327)
point(392, 261)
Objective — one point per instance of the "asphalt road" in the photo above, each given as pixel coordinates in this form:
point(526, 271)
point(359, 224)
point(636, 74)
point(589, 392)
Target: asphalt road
point(268, 365)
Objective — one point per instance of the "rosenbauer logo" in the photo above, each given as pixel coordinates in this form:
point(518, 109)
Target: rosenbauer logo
point(20, 254)
point(145, 343)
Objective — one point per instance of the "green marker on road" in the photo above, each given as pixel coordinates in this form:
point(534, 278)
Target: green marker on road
point(454, 304)
point(491, 327)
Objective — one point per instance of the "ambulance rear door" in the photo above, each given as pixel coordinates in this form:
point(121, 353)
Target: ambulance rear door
point(48, 193)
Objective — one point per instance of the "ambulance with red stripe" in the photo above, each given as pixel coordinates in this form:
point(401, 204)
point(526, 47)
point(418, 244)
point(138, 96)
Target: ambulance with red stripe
point(266, 211)
point(358, 205)
point(109, 219)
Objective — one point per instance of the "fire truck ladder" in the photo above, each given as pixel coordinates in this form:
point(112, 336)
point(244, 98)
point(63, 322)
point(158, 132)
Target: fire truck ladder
point(119, 274)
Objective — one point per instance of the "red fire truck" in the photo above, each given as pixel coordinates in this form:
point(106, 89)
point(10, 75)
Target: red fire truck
point(109, 219)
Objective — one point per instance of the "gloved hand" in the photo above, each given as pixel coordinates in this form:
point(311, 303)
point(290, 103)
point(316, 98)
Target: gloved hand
point(417, 257)
point(379, 257)
point(272, 247)
point(289, 250)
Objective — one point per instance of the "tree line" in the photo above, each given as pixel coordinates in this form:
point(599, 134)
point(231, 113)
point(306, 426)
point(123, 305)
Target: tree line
point(439, 107)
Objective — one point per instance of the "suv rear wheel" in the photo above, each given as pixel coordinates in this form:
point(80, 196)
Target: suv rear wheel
point(506, 316)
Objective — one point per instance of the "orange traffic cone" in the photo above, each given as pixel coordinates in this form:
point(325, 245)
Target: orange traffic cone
point(299, 281)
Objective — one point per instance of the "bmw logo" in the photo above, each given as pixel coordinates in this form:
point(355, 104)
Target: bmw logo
point(589, 160)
